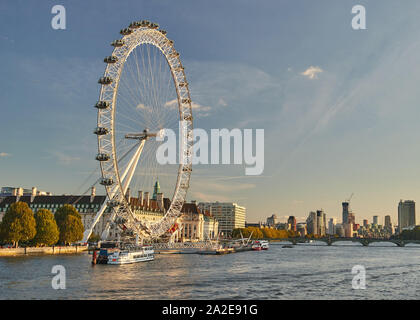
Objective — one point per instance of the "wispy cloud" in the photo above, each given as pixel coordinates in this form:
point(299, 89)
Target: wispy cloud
point(7, 38)
point(222, 102)
point(194, 105)
point(210, 197)
point(64, 159)
point(141, 106)
point(209, 189)
point(4, 154)
point(312, 72)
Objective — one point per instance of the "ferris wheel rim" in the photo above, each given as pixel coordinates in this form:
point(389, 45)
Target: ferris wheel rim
point(132, 40)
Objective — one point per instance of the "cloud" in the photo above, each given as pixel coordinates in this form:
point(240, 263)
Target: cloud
point(141, 106)
point(207, 190)
point(230, 187)
point(171, 104)
point(222, 102)
point(4, 154)
point(64, 159)
point(7, 38)
point(209, 197)
point(194, 105)
point(312, 72)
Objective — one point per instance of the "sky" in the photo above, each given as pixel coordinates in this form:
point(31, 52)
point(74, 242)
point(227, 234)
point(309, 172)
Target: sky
point(339, 107)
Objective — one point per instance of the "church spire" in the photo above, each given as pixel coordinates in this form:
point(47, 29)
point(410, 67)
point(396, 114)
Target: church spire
point(156, 189)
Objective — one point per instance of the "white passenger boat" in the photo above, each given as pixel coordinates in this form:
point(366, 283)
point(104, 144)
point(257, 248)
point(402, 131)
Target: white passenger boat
point(260, 245)
point(264, 244)
point(131, 255)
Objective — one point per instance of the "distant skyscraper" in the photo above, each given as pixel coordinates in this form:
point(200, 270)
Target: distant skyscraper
point(345, 212)
point(375, 220)
point(301, 228)
point(311, 223)
point(406, 214)
point(339, 230)
point(272, 221)
point(365, 223)
point(331, 226)
point(388, 221)
point(321, 222)
point(292, 222)
point(351, 218)
point(348, 230)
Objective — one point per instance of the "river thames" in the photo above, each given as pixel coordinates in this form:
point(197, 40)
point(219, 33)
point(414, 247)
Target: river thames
point(306, 271)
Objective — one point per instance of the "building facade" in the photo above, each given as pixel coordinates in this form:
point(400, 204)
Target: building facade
point(193, 225)
point(229, 215)
point(321, 222)
point(406, 214)
point(19, 191)
point(331, 226)
point(387, 223)
point(87, 206)
point(272, 221)
point(345, 212)
point(292, 222)
point(301, 228)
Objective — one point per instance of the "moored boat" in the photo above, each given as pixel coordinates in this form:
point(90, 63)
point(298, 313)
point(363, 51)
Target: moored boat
point(126, 255)
point(260, 245)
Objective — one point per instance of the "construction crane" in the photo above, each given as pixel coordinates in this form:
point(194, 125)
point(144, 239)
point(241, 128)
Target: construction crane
point(348, 200)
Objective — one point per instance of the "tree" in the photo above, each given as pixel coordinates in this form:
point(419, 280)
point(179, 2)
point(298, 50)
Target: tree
point(62, 212)
point(46, 228)
point(282, 234)
point(94, 237)
point(267, 234)
point(62, 218)
point(71, 229)
point(18, 224)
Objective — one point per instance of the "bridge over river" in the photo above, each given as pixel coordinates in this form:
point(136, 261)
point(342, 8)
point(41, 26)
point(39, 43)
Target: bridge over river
point(364, 241)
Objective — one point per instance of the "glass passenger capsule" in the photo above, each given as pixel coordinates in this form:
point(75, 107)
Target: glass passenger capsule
point(117, 43)
point(102, 104)
point(126, 31)
point(134, 25)
point(144, 23)
point(107, 181)
point(102, 157)
point(100, 131)
point(111, 59)
point(105, 80)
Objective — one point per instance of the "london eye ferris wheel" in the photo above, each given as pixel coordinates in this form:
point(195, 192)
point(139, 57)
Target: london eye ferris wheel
point(143, 92)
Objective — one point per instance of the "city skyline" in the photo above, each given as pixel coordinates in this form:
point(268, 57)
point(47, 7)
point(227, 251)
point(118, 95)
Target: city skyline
point(359, 219)
point(332, 128)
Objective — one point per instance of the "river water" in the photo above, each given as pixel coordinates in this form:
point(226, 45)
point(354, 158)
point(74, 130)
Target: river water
point(306, 271)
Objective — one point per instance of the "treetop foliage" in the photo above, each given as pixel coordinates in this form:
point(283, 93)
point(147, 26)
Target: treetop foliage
point(18, 223)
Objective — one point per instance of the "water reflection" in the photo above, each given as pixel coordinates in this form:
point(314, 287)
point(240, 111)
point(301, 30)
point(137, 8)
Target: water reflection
point(305, 271)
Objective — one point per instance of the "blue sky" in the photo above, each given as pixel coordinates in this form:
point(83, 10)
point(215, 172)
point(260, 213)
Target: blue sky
point(352, 128)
